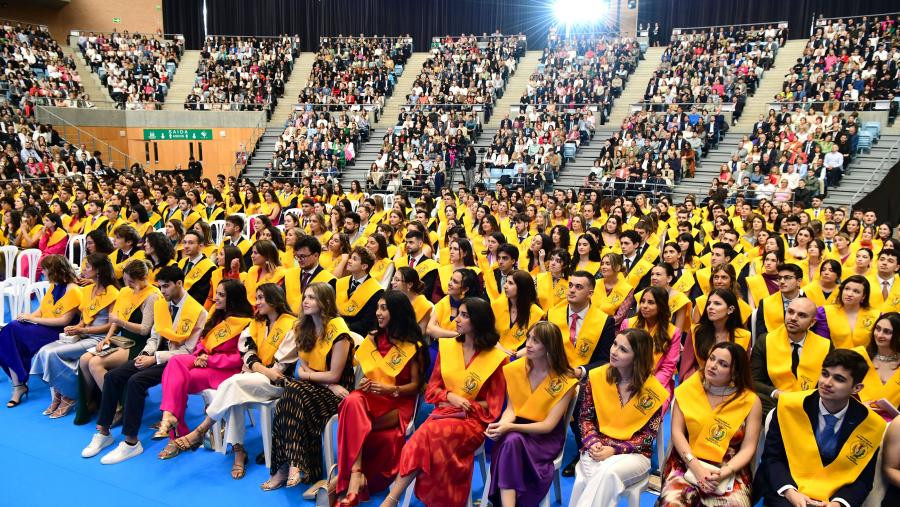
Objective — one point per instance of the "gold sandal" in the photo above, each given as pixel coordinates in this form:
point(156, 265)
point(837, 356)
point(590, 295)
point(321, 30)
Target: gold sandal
point(165, 427)
point(239, 468)
point(171, 450)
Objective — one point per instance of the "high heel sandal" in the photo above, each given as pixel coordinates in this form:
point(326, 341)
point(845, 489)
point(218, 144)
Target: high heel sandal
point(65, 406)
point(272, 484)
point(295, 478)
point(165, 427)
point(361, 495)
point(22, 390)
point(54, 403)
point(239, 469)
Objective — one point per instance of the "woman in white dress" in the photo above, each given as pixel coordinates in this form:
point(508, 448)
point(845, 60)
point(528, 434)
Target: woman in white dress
point(269, 351)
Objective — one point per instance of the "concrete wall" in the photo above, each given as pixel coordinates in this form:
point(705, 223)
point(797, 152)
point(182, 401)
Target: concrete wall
point(119, 136)
point(143, 16)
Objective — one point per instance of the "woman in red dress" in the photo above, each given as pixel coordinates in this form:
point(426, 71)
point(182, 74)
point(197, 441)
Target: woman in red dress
point(372, 420)
point(468, 389)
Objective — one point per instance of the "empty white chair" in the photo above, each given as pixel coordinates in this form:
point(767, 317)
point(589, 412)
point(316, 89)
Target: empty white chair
point(28, 259)
point(9, 253)
point(38, 290)
point(218, 231)
point(16, 291)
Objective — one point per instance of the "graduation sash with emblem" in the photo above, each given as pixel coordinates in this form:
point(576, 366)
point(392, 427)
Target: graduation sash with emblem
point(198, 271)
point(512, 336)
point(466, 381)
point(588, 335)
point(611, 302)
point(224, 331)
point(550, 293)
point(710, 430)
point(841, 334)
point(268, 339)
point(534, 405)
point(685, 282)
point(317, 357)
point(253, 280)
point(804, 460)
point(292, 279)
point(640, 269)
point(350, 306)
point(616, 421)
point(778, 360)
point(128, 301)
point(176, 332)
point(92, 305)
point(71, 300)
point(873, 388)
point(814, 292)
point(384, 368)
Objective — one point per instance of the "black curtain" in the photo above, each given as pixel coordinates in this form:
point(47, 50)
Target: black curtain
point(422, 19)
point(184, 17)
point(798, 13)
point(883, 200)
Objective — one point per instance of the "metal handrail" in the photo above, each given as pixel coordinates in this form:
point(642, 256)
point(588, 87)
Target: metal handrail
point(881, 104)
point(405, 38)
point(99, 144)
point(876, 172)
point(77, 32)
point(762, 24)
point(243, 157)
point(32, 23)
point(857, 16)
point(211, 35)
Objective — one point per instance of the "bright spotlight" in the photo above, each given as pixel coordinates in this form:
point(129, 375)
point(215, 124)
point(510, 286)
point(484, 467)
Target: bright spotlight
point(580, 12)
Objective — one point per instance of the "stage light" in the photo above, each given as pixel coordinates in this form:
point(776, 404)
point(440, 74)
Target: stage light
point(580, 12)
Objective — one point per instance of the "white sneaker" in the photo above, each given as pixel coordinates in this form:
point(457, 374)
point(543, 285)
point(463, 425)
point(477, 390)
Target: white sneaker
point(98, 442)
point(122, 453)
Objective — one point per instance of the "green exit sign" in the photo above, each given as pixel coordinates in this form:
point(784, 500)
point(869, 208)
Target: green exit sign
point(178, 134)
point(117, 20)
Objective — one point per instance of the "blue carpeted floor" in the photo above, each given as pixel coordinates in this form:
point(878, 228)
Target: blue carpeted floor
point(43, 465)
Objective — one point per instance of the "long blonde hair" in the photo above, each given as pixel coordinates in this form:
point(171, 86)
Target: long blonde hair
point(305, 328)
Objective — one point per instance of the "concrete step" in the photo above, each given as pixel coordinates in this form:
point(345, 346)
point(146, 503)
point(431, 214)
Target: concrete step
point(402, 89)
point(292, 88)
point(183, 82)
point(516, 86)
point(89, 81)
point(636, 85)
point(770, 84)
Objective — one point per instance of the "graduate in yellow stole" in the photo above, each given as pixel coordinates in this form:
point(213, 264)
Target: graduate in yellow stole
point(716, 424)
point(849, 321)
point(882, 383)
point(822, 445)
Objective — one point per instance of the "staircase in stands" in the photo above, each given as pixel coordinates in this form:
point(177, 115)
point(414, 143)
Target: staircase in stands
point(89, 81)
point(516, 87)
point(183, 82)
point(265, 149)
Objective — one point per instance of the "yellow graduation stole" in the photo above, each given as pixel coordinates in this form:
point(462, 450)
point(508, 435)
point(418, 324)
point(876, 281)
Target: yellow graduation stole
point(176, 332)
point(873, 389)
point(814, 292)
point(610, 303)
point(224, 331)
point(640, 269)
point(512, 336)
point(317, 357)
point(592, 267)
point(198, 271)
point(491, 284)
point(384, 369)
point(685, 282)
point(813, 479)
point(69, 301)
point(758, 288)
point(745, 309)
point(292, 279)
point(442, 313)
point(380, 268)
point(616, 421)
point(128, 301)
point(550, 293)
point(421, 305)
point(466, 381)
point(773, 310)
point(876, 299)
point(268, 340)
point(350, 306)
point(778, 360)
point(92, 305)
point(287, 258)
point(588, 336)
point(73, 225)
point(841, 334)
point(534, 405)
point(710, 430)
point(252, 281)
point(58, 236)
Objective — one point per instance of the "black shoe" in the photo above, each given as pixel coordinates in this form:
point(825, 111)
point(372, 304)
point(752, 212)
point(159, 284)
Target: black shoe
point(569, 470)
point(261, 458)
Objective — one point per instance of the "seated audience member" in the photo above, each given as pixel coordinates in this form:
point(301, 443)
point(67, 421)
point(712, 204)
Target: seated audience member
point(57, 362)
point(720, 402)
point(532, 430)
point(265, 267)
point(215, 358)
point(617, 438)
point(178, 321)
point(770, 310)
point(22, 338)
point(788, 358)
point(516, 310)
point(357, 293)
point(848, 322)
point(196, 266)
point(822, 446)
point(406, 280)
point(891, 466)
point(306, 251)
point(885, 291)
point(720, 322)
point(881, 387)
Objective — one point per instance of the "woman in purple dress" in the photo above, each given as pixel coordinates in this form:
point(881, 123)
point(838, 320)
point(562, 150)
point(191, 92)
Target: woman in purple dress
point(21, 339)
point(532, 430)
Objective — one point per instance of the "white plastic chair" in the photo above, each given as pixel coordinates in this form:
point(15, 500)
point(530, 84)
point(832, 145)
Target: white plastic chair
point(37, 289)
point(32, 255)
point(246, 223)
point(76, 240)
point(16, 291)
point(216, 430)
point(9, 253)
point(266, 418)
point(218, 231)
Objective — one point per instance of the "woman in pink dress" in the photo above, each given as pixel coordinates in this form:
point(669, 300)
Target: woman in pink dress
point(54, 239)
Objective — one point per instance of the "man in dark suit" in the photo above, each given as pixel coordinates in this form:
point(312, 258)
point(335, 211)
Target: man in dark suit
point(790, 279)
point(790, 474)
point(359, 311)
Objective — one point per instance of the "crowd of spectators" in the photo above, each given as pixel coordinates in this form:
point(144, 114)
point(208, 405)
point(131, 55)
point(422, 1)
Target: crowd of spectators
point(242, 73)
point(35, 70)
point(848, 64)
point(356, 71)
point(137, 69)
point(714, 67)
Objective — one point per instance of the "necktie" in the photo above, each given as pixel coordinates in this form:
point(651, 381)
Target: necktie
point(795, 357)
point(304, 279)
point(790, 241)
point(828, 244)
point(187, 266)
point(173, 309)
point(627, 265)
point(885, 289)
point(573, 328)
point(412, 261)
point(353, 285)
point(827, 439)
